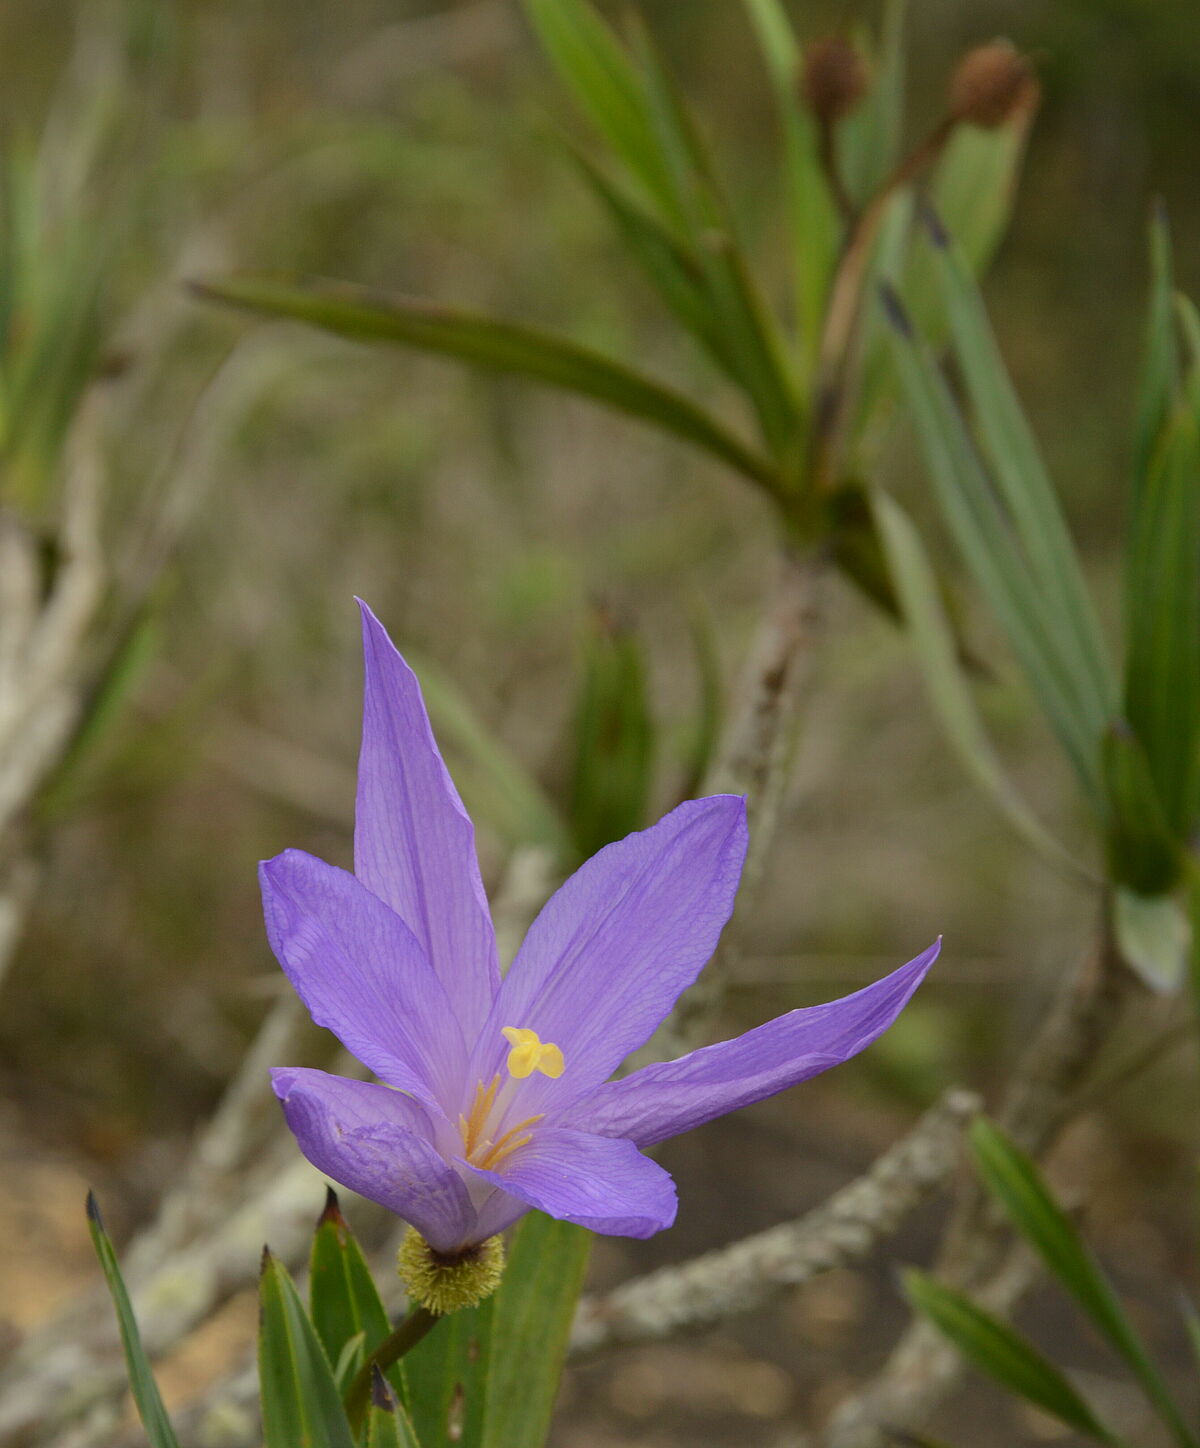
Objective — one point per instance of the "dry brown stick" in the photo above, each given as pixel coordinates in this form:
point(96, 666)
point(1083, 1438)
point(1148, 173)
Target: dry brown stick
point(737, 1279)
point(976, 1245)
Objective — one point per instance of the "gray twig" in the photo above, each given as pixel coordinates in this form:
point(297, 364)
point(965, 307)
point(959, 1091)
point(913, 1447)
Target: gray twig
point(737, 1279)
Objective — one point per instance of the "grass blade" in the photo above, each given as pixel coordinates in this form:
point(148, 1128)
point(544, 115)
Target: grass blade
point(1024, 484)
point(141, 1379)
point(985, 538)
point(814, 222)
point(503, 347)
point(596, 69)
point(1014, 1180)
point(949, 692)
point(1162, 609)
point(996, 1349)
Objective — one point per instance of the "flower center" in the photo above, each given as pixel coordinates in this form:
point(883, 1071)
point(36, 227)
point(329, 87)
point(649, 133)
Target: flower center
point(484, 1145)
point(480, 1145)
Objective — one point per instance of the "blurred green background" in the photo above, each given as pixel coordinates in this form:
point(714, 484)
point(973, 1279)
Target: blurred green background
point(412, 148)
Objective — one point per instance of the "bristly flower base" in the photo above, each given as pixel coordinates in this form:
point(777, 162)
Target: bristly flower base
point(443, 1282)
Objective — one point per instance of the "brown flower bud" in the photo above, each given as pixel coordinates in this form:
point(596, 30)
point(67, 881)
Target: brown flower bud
point(835, 78)
point(991, 83)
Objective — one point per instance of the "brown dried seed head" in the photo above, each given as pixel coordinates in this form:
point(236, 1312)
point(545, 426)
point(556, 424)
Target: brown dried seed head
point(991, 83)
point(835, 78)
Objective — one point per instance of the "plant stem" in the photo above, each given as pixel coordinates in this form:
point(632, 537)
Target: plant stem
point(410, 1332)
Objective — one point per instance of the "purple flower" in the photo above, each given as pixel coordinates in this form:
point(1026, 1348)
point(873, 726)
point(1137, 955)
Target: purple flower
point(497, 1094)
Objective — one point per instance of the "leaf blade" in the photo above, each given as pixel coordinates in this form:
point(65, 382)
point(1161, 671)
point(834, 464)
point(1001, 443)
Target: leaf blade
point(495, 346)
point(301, 1407)
point(1014, 1180)
point(997, 1349)
point(141, 1380)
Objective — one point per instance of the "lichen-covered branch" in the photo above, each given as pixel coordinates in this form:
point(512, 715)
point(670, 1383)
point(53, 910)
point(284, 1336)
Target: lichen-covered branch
point(737, 1279)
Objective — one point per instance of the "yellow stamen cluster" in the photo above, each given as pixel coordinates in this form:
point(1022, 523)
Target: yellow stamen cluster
point(530, 1054)
point(478, 1148)
point(443, 1283)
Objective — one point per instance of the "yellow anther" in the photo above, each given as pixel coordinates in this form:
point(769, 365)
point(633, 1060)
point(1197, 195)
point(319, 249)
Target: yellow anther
point(530, 1054)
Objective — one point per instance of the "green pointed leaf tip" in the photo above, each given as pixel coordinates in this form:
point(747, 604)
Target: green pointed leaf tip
point(1030, 502)
point(997, 1349)
point(343, 1300)
point(141, 1380)
point(932, 635)
point(1015, 1181)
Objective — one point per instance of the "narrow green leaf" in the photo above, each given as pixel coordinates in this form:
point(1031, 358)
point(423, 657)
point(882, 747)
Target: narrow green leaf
point(949, 692)
point(445, 1375)
point(869, 137)
point(1142, 852)
point(301, 1407)
point(996, 1349)
point(813, 219)
point(1162, 609)
point(983, 532)
point(974, 185)
point(344, 1302)
point(594, 66)
point(777, 40)
point(388, 1425)
point(504, 347)
point(141, 1379)
point(534, 1310)
point(756, 353)
point(1029, 496)
point(1014, 1180)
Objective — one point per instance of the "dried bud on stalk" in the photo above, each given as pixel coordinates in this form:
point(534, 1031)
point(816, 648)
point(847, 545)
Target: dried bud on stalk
point(991, 83)
point(835, 78)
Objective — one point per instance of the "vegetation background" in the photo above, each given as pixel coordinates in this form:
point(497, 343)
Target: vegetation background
point(495, 529)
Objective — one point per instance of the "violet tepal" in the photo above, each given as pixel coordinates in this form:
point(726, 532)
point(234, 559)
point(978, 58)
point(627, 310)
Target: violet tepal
point(496, 1093)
